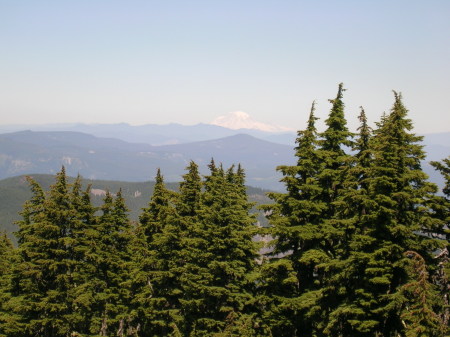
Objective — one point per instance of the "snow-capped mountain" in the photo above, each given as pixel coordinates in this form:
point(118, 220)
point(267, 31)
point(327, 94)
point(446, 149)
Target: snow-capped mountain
point(241, 120)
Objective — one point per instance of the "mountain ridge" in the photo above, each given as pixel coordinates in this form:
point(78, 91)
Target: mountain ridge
point(154, 134)
point(95, 157)
point(175, 133)
point(102, 158)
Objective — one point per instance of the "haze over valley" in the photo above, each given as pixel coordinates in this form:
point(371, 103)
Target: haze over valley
point(133, 153)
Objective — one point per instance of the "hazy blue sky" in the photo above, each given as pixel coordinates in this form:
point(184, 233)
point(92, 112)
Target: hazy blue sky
point(190, 61)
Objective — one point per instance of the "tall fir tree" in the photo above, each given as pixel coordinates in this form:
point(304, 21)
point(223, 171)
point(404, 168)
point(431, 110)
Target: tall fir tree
point(83, 230)
point(335, 163)
point(25, 295)
point(398, 218)
point(444, 168)
point(221, 255)
point(308, 235)
point(352, 206)
point(334, 145)
point(420, 318)
point(111, 256)
point(43, 279)
point(443, 212)
point(157, 297)
point(289, 279)
point(188, 203)
point(7, 261)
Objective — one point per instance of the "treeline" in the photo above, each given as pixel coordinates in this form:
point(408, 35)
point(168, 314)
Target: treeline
point(358, 247)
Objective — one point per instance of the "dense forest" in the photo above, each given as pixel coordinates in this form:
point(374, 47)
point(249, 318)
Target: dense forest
point(357, 245)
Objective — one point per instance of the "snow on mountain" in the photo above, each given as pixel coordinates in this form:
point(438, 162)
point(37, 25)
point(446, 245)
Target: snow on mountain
point(241, 120)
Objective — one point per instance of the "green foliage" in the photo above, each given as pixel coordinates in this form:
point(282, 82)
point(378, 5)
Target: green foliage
point(442, 211)
point(418, 314)
point(7, 255)
point(394, 214)
point(220, 254)
point(43, 278)
point(157, 271)
point(305, 230)
point(340, 233)
point(110, 255)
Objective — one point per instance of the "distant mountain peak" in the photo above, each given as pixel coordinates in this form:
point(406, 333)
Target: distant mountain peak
point(241, 120)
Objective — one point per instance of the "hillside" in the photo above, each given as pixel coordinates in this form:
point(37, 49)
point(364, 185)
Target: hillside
point(44, 152)
point(30, 152)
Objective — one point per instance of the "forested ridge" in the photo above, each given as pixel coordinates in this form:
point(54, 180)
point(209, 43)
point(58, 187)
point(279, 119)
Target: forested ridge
point(357, 245)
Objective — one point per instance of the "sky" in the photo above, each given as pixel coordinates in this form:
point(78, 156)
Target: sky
point(188, 62)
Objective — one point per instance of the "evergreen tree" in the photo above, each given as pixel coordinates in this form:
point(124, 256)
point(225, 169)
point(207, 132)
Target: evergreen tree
point(159, 290)
point(419, 316)
point(191, 246)
point(443, 212)
point(397, 221)
point(193, 253)
point(220, 255)
point(111, 256)
point(336, 228)
point(25, 295)
point(444, 168)
point(154, 215)
point(6, 263)
point(43, 278)
point(309, 236)
point(83, 230)
point(335, 164)
point(344, 284)
point(289, 279)
point(6, 251)
point(50, 275)
point(188, 203)
point(332, 152)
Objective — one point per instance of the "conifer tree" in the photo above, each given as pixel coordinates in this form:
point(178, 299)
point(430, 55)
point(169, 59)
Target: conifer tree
point(188, 203)
point(153, 216)
point(42, 281)
point(217, 283)
point(419, 317)
point(398, 217)
point(193, 253)
point(83, 235)
point(333, 172)
point(444, 168)
point(352, 206)
point(291, 271)
point(443, 212)
point(196, 256)
point(111, 256)
point(307, 232)
point(158, 293)
point(25, 294)
point(7, 260)
point(49, 280)
point(335, 163)
point(187, 266)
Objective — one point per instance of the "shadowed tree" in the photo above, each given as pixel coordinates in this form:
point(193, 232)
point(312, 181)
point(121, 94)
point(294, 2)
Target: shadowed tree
point(158, 295)
point(294, 219)
point(398, 215)
point(220, 255)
